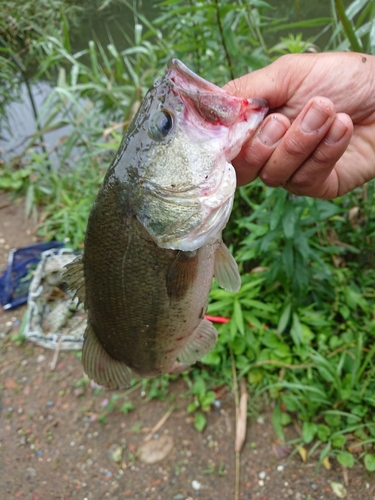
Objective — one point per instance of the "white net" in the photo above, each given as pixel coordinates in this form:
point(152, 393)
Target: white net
point(53, 319)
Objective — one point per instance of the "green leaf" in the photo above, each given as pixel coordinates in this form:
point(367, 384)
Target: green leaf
point(238, 316)
point(255, 375)
point(277, 422)
point(296, 331)
point(309, 429)
point(333, 420)
point(199, 387)
point(207, 400)
point(289, 220)
point(288, 258)
point(191, 407)
point(369, 461)
point(126, 407)
point(324, 432)
point(277, 211)
point(286, 419)
point(200, 421)
point(212, 358)
point(346, 459)
point(284, 318)
point(338, 441)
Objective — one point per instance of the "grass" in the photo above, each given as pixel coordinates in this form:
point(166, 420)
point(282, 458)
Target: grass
point(301, 330)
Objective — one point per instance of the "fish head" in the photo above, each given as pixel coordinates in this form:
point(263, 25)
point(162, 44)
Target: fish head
point(177, 153)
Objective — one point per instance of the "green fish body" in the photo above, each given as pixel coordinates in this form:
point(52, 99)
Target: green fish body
point(153, 239)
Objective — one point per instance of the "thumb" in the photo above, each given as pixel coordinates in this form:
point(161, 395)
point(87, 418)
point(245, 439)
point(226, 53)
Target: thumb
point(276, 83)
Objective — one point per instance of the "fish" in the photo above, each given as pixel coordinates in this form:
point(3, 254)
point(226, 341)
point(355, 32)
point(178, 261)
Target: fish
point(153, 240)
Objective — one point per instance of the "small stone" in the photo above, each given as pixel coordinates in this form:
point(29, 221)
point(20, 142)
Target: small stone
point(155, 450)
point(299, 496)
point(23, 440)
point(260, 420)
point(50, 403)
point(262, 475)
point(179, 496)
point(24, 362)
point(40, 358)
point(261, 482)
point(31, 471)
point(280, 468)
point(115, 453)
point(314, 486)
point(338, 489)
point(196, 485)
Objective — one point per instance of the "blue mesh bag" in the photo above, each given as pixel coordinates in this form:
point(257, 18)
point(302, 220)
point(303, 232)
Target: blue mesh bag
point(15, 281)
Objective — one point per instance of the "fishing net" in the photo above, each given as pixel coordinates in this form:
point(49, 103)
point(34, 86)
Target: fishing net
point(53, 319)
point(15, 281)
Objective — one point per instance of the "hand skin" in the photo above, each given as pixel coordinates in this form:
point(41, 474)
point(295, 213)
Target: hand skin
point(324, 153)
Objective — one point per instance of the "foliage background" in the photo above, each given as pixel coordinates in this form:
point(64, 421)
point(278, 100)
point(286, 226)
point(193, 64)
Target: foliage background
point(302, 328)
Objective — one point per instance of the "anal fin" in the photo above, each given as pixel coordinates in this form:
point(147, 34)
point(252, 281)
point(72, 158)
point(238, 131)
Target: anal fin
point(75, 279)
point(100, 366)
point(202, 341)
point(226, 269)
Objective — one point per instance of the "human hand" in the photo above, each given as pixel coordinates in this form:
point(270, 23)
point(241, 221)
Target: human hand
point(319, 138)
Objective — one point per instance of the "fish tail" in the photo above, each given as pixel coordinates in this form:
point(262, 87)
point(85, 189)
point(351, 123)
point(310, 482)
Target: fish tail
point(100, 366)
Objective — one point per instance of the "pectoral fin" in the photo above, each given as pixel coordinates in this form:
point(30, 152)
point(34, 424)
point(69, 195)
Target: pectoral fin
point(100, 366)
point(75, 279)
point(201, 343)
point(181, 274)
point(226, 269)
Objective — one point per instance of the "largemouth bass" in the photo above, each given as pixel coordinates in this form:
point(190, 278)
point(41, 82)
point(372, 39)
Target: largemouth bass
point(153, 239)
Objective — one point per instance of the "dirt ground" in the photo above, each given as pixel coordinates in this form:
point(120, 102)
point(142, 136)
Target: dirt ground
point(54, 444)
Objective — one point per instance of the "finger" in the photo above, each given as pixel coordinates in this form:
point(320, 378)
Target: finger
point(276, 82)
point(258, 149)
point(299, 142)
point(317, 177)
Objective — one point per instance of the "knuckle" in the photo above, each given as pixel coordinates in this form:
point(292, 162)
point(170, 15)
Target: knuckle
point(294, 147)
point(312, 173)
point(255, 156)
point(320, 158)
point(269, 180)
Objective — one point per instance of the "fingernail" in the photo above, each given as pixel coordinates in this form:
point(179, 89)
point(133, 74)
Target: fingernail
point(272, 131)
point(336, 132)
point(313, 119)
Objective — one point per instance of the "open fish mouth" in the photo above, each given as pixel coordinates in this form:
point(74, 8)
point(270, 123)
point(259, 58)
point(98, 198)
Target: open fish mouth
point(211, 102)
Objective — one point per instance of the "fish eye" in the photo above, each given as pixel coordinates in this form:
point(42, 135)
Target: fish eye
point(160, 125)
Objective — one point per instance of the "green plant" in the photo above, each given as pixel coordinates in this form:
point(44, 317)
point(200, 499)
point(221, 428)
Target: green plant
point(301, 329)
point(202, 399)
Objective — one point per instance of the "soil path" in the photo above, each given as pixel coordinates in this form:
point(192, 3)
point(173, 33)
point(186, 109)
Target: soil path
point(61, 438)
